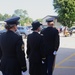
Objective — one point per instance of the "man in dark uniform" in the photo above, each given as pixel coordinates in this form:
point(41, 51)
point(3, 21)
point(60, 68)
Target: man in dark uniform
point(51, 45)
point(34, 51)
point(12, 47)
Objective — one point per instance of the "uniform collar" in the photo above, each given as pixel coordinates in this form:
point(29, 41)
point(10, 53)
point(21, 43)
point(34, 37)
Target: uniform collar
point(36, 32)
point(49, 27)
point(10, 31)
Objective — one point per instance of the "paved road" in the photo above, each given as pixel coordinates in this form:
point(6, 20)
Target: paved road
point(65, 59)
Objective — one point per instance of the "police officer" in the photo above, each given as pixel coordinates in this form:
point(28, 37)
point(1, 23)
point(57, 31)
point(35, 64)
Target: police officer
point(34, 51)
point(51, 45)
point(12, 47)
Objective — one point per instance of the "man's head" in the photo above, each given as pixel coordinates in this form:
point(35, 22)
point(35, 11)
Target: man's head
point(50, 22)
point(36, 26)
point(12, 23)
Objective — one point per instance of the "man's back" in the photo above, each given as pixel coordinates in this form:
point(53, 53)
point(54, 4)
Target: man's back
point(8, 43)
point(33, 47)
point(50, 35)
point(13, 58)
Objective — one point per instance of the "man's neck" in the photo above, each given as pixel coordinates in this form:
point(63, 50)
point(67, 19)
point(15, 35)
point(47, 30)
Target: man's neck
point(36, 31)
point(50, 26)
point(12, 30)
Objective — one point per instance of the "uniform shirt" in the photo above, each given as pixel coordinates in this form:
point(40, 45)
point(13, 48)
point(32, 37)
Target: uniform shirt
point(12, 48)
point(34, 47)
point(50, 39)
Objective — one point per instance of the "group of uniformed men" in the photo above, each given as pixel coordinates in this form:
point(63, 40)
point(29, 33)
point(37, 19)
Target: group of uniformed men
point(41, 49)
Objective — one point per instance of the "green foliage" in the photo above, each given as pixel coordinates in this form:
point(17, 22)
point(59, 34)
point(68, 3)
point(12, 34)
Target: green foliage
point(4, 17)
point(40, 20)
point(23, 15)
point(66, 11)
point(1, 17)
point(28, 20)
point(24, 19)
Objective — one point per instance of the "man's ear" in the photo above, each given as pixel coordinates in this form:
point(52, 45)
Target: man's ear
point(15, 27)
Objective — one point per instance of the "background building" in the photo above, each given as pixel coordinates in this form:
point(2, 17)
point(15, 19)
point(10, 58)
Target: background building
point(56, 23)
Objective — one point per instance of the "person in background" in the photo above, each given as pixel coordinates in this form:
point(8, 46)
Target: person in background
point(51, 44)
point(35, 52)
point(13, 60)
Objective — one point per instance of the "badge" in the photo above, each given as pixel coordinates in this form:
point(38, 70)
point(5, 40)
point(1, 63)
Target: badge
point(22, 47)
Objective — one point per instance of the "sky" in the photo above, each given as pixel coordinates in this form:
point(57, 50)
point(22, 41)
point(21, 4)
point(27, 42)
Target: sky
point(35, 8)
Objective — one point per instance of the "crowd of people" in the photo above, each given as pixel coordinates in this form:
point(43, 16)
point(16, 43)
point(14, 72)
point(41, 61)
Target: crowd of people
point(41, 49)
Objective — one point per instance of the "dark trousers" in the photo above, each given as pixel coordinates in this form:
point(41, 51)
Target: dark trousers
point(11, 74)
point(48, 66)
point(35, 68)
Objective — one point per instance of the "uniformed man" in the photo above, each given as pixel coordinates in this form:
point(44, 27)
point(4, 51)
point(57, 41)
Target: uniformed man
point(51, 45)
point(12, 47)
point(34, 51)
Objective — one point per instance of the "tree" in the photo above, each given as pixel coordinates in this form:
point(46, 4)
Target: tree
point(28, 20)
point(66, 11)
point(20, 12)
point(23, 15)
point(1, 17)
point(40, 20)
point(4, 17)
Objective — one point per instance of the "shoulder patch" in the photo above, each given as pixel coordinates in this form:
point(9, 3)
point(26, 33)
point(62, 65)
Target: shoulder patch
point(22, 47)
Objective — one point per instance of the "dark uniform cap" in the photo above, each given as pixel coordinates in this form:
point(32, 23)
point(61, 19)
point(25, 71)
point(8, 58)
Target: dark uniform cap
point(35, 25)
point(13, 20)
point(50, 20)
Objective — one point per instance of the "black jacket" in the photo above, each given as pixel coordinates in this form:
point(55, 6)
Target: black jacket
point(34, 47)
point(50, 40)
point(13, 56)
